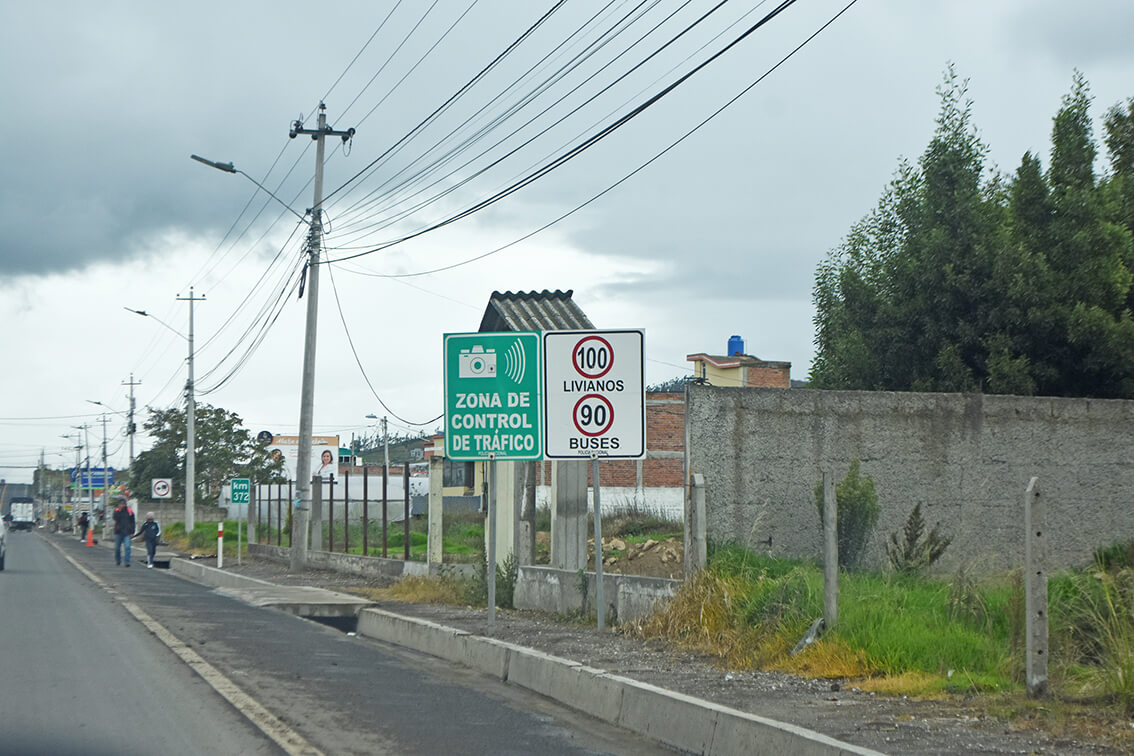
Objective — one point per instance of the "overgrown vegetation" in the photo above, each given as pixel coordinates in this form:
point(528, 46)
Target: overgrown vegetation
point(901, 632)
point(857, 512)
point(916, 550)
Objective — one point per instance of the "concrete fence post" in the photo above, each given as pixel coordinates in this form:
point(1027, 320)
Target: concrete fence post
point(433, 549)
point(830, 553)
point(1035, 590)
point(696, 549)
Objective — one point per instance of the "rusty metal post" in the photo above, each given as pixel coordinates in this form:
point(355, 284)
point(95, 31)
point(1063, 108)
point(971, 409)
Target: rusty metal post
point(331, 516)
point(365, 510)
point(405, 493)
point(346, 512)
point(279, 514)
point(268, 536)
point(290, 518)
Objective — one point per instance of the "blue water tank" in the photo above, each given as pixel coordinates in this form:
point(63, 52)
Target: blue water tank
point(735, 345)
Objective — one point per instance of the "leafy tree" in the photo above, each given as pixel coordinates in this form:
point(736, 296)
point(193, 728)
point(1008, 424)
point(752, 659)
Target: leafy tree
point(224, 450)
point(965, 280)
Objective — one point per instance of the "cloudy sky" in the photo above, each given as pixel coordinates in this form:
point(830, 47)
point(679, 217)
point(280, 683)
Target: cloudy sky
point(102, 209)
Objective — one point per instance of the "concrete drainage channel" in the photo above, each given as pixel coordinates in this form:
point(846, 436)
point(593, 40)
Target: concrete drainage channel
point(681, 721)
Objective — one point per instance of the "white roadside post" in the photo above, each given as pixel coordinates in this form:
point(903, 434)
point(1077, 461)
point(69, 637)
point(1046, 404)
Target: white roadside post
point(220, 545)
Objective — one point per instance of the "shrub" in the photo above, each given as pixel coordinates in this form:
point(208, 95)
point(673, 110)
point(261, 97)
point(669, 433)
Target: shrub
point(476, 590)
point(915, 550)
point(857, 511)
point(1116, 556)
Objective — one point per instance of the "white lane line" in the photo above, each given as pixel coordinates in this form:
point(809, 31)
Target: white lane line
point(288, 739)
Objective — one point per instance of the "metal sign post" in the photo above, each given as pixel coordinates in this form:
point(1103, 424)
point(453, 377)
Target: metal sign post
point(490, 567)
point(600, 602)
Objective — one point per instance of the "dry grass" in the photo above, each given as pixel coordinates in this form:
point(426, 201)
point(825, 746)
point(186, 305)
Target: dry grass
point(828, 658)
point(700, 618)
point(913, 684)
point(418, 590)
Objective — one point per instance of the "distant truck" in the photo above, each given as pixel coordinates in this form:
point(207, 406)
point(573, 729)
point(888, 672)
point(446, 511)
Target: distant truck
point(22, 513)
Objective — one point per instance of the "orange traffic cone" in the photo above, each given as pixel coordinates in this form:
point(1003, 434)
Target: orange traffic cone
point(90, 536)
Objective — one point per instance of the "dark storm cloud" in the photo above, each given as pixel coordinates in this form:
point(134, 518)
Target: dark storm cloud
point(1075, 35)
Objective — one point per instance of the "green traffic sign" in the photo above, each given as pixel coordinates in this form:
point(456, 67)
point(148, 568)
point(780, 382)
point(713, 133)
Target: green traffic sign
point(241, 491)
point(492, 396)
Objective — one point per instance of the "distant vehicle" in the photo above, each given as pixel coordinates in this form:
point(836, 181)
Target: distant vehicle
point(22, 513)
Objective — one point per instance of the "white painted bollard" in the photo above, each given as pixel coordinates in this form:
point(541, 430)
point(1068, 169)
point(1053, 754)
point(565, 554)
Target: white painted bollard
point(220, 545)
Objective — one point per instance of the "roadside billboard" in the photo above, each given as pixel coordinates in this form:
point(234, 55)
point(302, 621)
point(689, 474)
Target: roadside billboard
point(324, 454)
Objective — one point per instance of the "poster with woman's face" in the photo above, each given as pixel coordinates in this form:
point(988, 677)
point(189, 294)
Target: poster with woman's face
point(324, 454)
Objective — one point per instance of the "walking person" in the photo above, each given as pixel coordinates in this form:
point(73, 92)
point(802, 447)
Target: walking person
point(151, 533)
point(124, 524)
point(84, 523)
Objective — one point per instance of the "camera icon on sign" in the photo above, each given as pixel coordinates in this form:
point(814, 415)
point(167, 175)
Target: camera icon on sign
point(476, 363)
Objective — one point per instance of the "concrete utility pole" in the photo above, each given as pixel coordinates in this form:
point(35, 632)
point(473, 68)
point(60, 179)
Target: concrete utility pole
point(300, 522)
point(385, 443)
point(190, 425)
point(105, 471)
point(130, 427)
point(90, 488)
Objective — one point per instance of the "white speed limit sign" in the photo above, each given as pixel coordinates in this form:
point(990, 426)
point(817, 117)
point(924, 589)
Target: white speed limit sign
point(594, 394)
point(161, 488)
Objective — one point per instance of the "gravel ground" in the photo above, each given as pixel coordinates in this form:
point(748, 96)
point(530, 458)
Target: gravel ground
point(894, 725)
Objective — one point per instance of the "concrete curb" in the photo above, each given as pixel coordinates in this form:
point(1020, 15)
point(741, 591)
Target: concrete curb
point(684, 722)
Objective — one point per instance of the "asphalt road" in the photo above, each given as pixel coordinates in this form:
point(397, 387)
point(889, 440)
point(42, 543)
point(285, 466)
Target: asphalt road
point(77, 664)
point(80, 675)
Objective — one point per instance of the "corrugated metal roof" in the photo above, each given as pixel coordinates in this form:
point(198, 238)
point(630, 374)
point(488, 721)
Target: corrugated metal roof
point(533, 311)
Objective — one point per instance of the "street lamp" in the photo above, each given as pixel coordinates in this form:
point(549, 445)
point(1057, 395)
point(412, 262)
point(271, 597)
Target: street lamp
point(78, 459)
point(230, 168)
point(87, 445)
point(105, 466)
point(129, 422)
point(190, 413)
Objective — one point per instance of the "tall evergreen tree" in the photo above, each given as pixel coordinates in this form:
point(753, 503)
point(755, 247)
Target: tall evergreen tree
point(964, 281)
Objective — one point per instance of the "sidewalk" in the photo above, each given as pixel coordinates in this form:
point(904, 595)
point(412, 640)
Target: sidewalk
point(682, 721)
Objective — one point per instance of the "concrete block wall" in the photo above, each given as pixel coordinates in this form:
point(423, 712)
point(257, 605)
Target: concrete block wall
point(966, 458)
point(627, 597)
point(355, 564)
